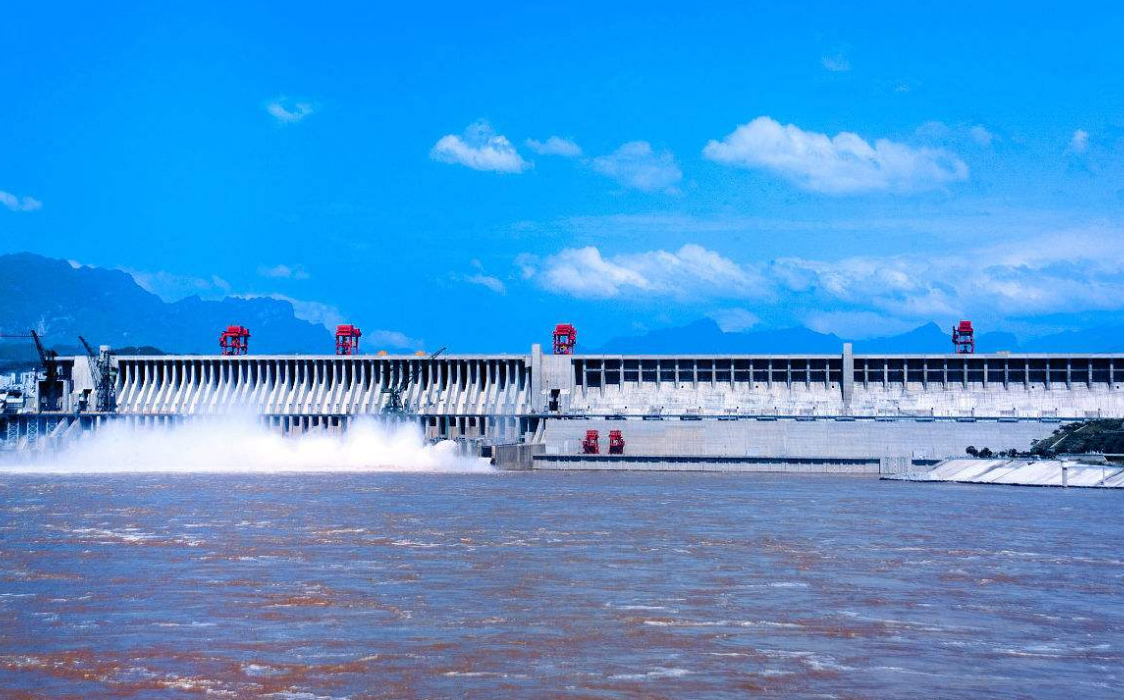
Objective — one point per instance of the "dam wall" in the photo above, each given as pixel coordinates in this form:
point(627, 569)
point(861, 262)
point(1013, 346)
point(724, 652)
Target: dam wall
point(868, 407)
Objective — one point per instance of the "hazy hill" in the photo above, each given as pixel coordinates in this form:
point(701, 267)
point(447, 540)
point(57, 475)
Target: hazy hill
point(704, 336)
point(109, 307)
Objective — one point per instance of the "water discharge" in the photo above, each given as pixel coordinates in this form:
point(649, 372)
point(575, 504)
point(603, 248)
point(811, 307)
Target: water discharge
point(239, 445)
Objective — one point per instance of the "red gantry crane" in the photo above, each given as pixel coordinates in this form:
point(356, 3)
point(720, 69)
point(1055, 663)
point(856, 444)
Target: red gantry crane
point(347, 339)
point(964, 338)
point(235, 340)
point(565, 339)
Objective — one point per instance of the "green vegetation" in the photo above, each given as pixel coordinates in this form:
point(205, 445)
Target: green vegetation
point(1104, 436)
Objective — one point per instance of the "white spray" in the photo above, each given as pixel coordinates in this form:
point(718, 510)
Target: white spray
point(241, 445)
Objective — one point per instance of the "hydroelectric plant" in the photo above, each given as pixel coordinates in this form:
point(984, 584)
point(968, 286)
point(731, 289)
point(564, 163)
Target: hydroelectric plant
point(565, 410)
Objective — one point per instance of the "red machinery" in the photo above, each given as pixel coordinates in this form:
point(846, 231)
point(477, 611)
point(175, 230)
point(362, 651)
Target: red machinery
point(235, 340)
point(616, 442)
point(565, 338)
point(964, 338)
point(347, 339)
point(590, 443)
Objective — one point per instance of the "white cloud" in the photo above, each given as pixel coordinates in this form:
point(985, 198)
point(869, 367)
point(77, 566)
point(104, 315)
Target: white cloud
point(981, 135)
point(842, 164)
point(396, 340)
point(492, 283)
point(295, 272)
point(735, 320)
point(836, 64)
point(288, 112)
point(480, 148)
point(637, 165)
point(171, 287)
point(15, 203)
point(1080, 141)
point(1037, 276)
point(555, 146)
point(312, 311)
point(585, 273)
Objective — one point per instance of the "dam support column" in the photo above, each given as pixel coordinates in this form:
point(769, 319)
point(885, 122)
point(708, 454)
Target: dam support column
point(847, 380)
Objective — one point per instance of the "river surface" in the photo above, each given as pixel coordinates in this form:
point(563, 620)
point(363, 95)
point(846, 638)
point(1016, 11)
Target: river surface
point(556, 585)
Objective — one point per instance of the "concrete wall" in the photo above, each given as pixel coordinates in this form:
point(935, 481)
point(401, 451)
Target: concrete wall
point(904, 439)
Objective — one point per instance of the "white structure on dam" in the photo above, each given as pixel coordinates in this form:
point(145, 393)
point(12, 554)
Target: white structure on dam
point(845, 405)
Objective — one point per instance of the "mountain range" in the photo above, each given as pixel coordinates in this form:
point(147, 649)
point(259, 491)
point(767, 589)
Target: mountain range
point(108, 307)
point(705, 336)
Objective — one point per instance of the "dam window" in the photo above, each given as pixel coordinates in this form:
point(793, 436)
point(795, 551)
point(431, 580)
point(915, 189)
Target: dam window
point(613, 377)
point(612, 364)
point(648, 374)
point(686, 374)
point(667, 374)
point(632, 375)
point(1036, 369)
point(722, 375)
point(955, 371)
point(896, 372)
point(593, 379)
point(579, 373)
point(995, 374)
point(1100, 371)
point(975, 371)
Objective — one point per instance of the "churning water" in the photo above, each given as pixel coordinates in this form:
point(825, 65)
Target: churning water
point(555, 585)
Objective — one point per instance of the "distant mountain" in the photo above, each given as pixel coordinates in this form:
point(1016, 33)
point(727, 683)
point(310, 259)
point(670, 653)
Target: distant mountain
point(1103, 339)
point(108, 307)
point(705, 337)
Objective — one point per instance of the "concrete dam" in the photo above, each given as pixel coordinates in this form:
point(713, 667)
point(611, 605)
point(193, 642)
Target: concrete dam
point(841, 412)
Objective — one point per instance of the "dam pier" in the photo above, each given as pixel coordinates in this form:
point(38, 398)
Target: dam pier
point(840, 412)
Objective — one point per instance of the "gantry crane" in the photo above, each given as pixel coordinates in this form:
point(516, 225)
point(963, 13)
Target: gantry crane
point(395, 406)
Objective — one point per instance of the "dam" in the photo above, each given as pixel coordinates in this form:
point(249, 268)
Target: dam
point(842, 412)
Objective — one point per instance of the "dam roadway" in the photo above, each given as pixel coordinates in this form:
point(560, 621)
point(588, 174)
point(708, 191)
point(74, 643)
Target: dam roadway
point(889, 410)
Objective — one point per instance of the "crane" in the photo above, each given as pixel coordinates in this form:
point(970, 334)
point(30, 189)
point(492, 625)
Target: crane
point(50, 396)
point(102, 371)
point(395, 406)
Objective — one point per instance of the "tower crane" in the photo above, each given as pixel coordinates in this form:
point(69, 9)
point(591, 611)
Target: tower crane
point(395, 406)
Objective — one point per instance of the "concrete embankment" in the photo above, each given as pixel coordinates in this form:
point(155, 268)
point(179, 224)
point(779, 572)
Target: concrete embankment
point(1020, 472)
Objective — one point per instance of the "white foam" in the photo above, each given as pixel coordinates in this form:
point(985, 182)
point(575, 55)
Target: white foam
point(241, 445)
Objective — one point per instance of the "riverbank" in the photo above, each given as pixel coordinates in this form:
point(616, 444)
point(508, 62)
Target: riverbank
point(1020, 472)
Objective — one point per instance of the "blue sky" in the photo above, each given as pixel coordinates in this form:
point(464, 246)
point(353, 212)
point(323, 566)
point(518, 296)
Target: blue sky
point(453, 175)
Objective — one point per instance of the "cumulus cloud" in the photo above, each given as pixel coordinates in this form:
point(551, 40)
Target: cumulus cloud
point(636, 164)
point(859, 295)
point(555, 146)
point(840, 164)
point(1080, 141)
point(585, 273)
point(15, 203)
point(286, 111)
point(480, 148)
point(286, 272)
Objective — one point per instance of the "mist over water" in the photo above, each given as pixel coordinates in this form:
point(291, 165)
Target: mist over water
point(240, 445)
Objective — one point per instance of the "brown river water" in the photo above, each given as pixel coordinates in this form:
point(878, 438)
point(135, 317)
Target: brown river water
point(556, 585)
